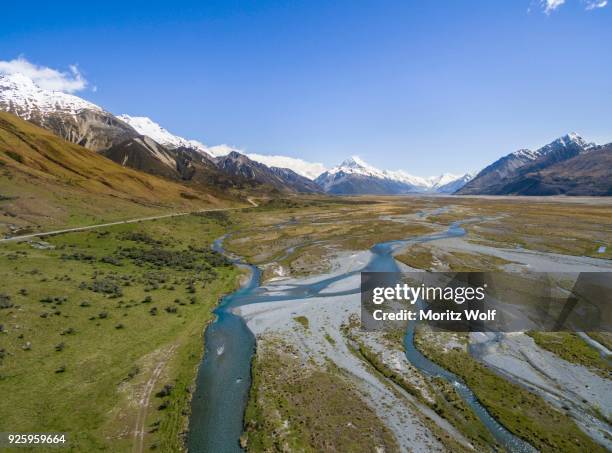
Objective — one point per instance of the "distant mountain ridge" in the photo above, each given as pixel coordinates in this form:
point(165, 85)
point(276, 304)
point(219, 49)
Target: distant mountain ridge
point(240, 165)
point(146, 126)
point(356, 177)
point(526, 172)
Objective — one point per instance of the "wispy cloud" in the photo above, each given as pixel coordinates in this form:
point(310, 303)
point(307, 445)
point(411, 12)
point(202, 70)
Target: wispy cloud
point(44, 77)
point(551, 5)
point(595, 4)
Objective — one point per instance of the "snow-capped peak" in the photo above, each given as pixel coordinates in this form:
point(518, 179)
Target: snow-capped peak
point(574, 137)
point(20, 95)
point(146, 126)
point(563, 142)
point(357, 166)
point(355, 162)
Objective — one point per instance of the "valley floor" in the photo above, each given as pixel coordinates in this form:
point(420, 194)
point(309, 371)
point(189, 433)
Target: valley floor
point(317, 330)
point(101, 330)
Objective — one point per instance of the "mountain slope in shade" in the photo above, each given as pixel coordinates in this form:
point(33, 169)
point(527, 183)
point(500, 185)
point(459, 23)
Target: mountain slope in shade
point(144, 154)
point(354, 176)
point(70, 117)
point(239, 165)
point(497, 178)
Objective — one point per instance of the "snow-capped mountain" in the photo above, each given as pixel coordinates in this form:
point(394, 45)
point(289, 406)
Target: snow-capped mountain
point(21, 96)
point(68, 116)
point(355, 176)
point(150, 128)
point(504, 175)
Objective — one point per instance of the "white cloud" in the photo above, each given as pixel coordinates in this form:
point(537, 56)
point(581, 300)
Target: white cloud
point(222, 150)
point(551, 5)
point(44, 77)
point(308, 169)
point(594, 4)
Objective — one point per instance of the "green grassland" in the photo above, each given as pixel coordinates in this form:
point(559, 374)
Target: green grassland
point(570, 227)
point(429, 257)
point(569, 346)
point(88, 324)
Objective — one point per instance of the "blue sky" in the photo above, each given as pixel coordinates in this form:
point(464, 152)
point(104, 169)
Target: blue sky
point(423, 86)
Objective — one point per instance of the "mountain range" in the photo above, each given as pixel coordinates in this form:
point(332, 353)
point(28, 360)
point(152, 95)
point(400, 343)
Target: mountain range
point(139, 143)
point(569, 165)
point(354, 176)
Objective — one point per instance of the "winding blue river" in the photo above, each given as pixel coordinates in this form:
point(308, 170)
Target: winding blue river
point(224, 378)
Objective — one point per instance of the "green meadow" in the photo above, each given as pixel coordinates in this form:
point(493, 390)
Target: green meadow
point(101, 331)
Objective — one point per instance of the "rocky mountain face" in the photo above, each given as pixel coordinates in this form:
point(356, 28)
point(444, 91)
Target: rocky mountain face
point(354, 176)
point(518, 173)
point(239, 165)
point(497, 171)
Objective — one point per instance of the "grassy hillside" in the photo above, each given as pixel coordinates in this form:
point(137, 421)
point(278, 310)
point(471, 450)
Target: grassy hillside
point(101, 335)
point(46, 181)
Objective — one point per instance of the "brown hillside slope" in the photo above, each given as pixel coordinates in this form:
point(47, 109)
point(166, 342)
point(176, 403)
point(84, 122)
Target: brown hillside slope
point(46, 181)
